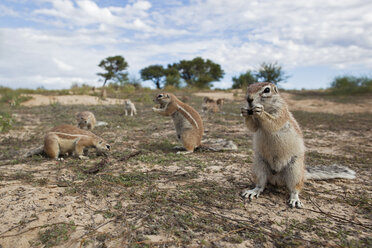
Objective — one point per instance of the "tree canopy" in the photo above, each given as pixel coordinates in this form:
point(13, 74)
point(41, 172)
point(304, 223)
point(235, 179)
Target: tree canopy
point(244, 80)
point(198, 72)
point(155, 73)
point(271, 72)
point(268, 72)
point(114, 67)
point(172, 77)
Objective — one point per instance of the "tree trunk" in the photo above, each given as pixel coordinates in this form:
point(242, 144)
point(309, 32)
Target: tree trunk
point(104, 83)
point(103, 93)
point(157, 84)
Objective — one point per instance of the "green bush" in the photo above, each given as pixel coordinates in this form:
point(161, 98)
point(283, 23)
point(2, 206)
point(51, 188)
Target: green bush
point(77, 89)
point(12, 97)
point(128, 88)
point(351, 85)
point(6, 122)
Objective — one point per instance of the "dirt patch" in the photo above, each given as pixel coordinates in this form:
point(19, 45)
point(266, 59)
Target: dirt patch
point(38, 100)
point(218, 94)
point(324, 106)
point(146, 195)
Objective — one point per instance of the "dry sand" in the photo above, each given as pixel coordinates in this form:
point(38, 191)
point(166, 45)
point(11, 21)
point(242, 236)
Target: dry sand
point(38, 100)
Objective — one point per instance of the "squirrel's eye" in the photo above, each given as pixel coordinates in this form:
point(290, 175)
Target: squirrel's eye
point(267, 90)
point(160, 96)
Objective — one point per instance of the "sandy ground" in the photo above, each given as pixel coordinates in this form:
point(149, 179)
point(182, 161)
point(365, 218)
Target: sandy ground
point(38, 100)
point(310, 105)
point(114, 220)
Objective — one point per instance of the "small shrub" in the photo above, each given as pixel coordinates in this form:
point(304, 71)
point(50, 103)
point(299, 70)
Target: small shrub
point(6, 122)
point(12, 97)
point(128, 88)
point(351, 85)
point(56, 234)
point(170, 88)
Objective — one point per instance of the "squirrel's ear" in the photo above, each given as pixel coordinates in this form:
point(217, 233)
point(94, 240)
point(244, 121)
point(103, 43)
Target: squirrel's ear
point(167, 95)
point(276, 89)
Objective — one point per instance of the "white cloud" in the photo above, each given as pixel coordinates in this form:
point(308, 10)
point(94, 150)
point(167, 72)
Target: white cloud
point(62, 65)
point(87, 12)
point(237, 34)
point(6, 11)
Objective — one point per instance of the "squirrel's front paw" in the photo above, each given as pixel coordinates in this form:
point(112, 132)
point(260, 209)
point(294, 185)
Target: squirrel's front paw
point(258, 109)
point(246, 112)
point(155, 109)
point(243, 111)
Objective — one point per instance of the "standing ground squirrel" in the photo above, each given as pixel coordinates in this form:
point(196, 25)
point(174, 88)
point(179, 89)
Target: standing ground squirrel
point(129, 106)
point(278, 145)
point(187, 121)
point(72, 140)
point(86, 119)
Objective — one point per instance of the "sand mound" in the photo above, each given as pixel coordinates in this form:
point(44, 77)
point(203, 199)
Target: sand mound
point(38, 100)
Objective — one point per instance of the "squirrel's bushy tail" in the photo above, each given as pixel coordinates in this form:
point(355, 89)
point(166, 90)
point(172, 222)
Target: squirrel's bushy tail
point(329, 172)
point(35, 151)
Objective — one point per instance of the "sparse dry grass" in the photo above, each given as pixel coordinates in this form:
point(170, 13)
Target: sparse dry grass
point(156, 198)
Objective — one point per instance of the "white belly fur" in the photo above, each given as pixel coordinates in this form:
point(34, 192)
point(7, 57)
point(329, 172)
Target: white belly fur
point(278, 148)
point(181, 123)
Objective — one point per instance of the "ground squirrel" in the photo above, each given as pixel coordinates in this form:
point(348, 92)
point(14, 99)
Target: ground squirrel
point(68, 139)
point(86, 119)
point(187, 121)
point(278, 145)
point(211, 105)
point(220, 102)
point(129, 106)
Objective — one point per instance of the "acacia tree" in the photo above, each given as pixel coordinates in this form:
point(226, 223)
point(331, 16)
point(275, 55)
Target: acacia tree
point(172, 77)
point(198, 72)
point(155, 73)
point(114, 67)
point(244, 80)
point(271, 72)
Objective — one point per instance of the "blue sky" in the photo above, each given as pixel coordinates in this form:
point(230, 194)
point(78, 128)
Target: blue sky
point(54, 43)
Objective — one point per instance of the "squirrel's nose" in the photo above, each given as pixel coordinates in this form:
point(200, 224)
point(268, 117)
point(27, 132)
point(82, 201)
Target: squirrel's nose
point(250, 100)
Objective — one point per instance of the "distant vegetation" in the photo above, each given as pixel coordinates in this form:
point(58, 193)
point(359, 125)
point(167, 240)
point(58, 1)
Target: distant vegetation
point(131, 88)
point(268, 72)
point(6, 121)
point(115, 69)
point(197, 73)
point(351, 85)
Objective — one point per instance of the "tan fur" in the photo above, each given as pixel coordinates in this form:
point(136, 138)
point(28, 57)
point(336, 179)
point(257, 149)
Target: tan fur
point(72, 140)
point(187, 121)
point(86, 119)
point(129, 107)
point(277, 142)
point(211, 105)
point(185, 99)
point(220, 102)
